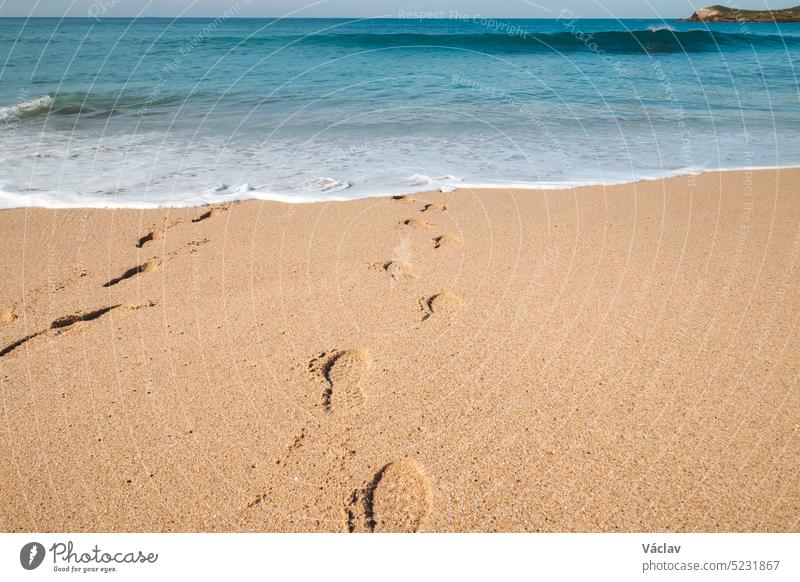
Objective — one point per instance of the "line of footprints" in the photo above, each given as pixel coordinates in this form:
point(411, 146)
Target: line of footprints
point(398, 498)
point(68, 322)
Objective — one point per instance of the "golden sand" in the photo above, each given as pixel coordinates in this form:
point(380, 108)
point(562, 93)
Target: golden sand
point(617, 358)
point(155, 235)
point(404, 198)
point(397, 500)
point(6, 316)
point(346, 372)
point(398, 269)
point(416, 222)
point(446, 303)
point(448, 239)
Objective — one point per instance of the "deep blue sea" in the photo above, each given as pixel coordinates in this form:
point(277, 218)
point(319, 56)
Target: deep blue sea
point(149, 112)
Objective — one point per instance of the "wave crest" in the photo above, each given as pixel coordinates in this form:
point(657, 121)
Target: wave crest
point(24, 109)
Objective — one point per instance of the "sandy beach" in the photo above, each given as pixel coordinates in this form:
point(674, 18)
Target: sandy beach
point(619, 358)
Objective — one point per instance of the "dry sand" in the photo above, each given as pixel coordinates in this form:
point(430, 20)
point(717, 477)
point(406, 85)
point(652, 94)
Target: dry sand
point(604, 359)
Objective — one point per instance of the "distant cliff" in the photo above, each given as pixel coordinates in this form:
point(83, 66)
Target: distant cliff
point(719, 13)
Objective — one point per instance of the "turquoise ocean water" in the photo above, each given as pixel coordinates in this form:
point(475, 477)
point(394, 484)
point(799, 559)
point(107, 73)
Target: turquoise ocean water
point(151, 112)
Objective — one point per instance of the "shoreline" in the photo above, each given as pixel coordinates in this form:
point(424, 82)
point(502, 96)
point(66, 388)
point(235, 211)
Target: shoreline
point(255, 195)
point(618, 359)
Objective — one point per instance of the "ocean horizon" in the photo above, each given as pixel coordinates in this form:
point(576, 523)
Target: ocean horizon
point(152, 112)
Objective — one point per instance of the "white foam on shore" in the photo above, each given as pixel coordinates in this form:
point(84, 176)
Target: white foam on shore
point(223, 193)
point(60, 200)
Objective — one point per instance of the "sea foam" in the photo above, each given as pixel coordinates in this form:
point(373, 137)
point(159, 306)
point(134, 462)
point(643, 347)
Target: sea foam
point(24, 109)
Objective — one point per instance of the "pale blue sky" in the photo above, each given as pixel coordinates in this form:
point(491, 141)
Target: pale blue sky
point(371, 8)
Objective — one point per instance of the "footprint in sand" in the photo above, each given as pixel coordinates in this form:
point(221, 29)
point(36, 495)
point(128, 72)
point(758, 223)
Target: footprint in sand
point(446, 240)
point(66, 321)
point(446, 304)
point(146, 267)
point(208, 214)
point(416, 223)
point(7, 316)
point(403, 198)
point(11, 347)
point(396, 501)
point(345, 372)
point(434, 207)
point(398, 270)
point(150, 236)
